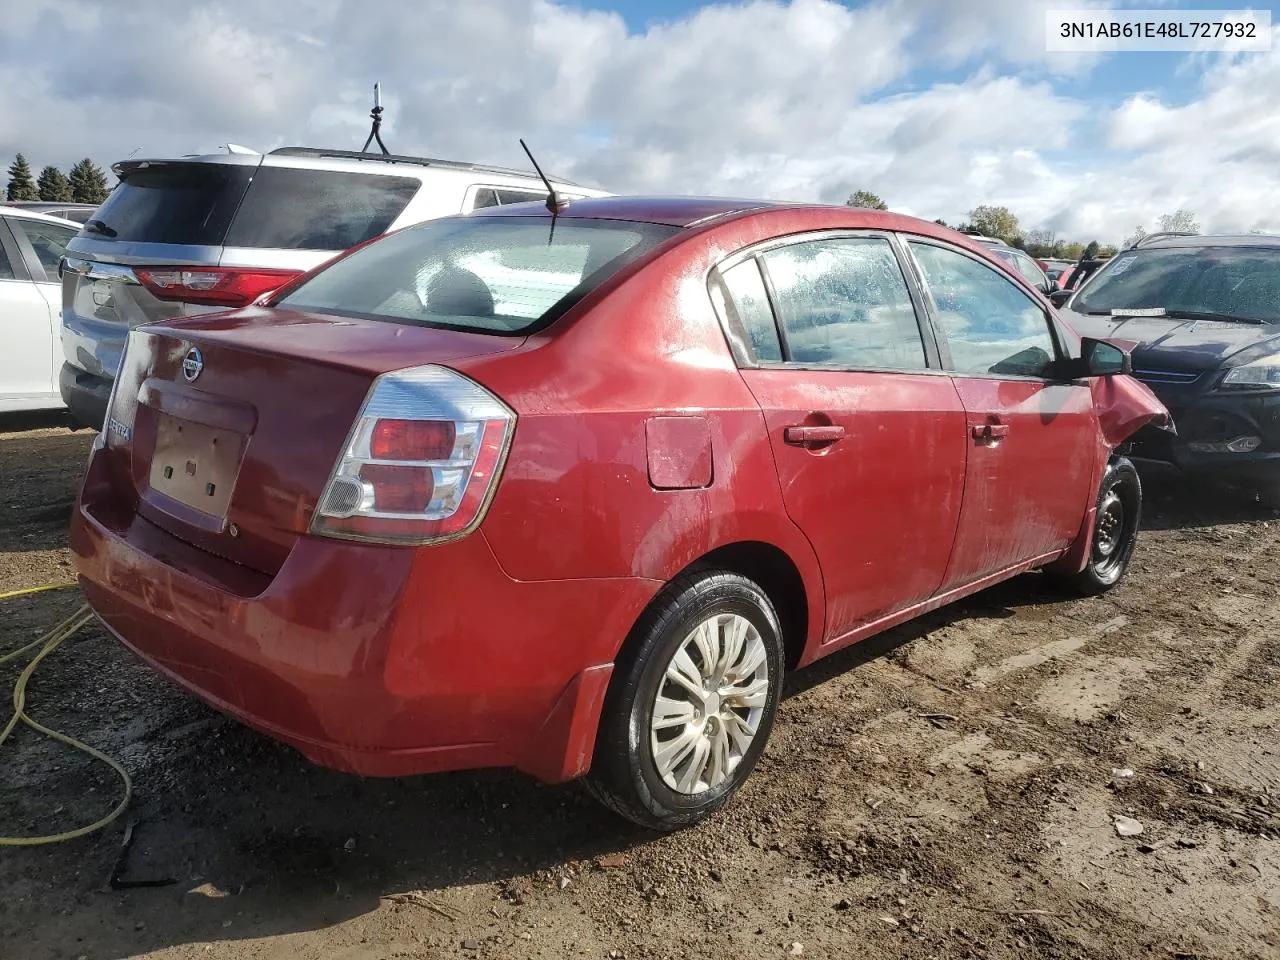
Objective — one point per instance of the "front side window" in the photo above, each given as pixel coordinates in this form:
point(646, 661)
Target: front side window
point(991, 326)
point(489, 274)
point(49, 240)
point(1027, 267)
point(843, 301)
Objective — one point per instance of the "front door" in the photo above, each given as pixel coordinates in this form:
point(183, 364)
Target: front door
point(867, 432)
point(1025, 492)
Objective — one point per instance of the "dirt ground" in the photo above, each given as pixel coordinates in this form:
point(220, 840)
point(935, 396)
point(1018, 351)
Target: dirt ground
point(948, 790)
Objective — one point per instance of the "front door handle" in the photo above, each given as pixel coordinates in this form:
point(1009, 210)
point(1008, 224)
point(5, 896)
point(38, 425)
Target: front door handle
point(802, 435)
point(990, 431)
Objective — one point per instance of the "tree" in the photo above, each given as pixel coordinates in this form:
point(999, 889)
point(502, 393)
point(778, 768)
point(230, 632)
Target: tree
point(995, 222)
point(21, 186)
point(865, 199)
point(1139, 232)
point(1072, 251)
point(1180, 221)
point(88, 182)
point(1041, 243)
point(1107, 251)
point(54, 186)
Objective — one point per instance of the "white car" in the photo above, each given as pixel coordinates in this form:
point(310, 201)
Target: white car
point(31, 244)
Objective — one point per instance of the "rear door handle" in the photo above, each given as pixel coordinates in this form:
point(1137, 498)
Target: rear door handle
point(990, 431)
point(801, 435)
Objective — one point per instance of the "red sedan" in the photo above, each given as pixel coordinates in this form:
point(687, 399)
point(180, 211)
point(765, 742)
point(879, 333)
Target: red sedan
point(571, 493)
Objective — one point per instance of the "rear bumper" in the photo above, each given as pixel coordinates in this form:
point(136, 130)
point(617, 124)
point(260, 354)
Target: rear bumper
point(374, 660)
point(85, 395)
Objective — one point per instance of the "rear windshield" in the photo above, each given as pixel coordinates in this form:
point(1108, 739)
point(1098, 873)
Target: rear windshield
point(211, 204)
point(506, 275)
point(187, 203)
point(1239, 282)
point(295, 209)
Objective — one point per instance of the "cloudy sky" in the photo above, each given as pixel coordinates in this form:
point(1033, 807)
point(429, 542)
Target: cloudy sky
point(937, 105)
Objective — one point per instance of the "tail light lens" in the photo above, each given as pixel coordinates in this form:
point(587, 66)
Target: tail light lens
point(122, 404)
point(421, 462)
point(216, 286)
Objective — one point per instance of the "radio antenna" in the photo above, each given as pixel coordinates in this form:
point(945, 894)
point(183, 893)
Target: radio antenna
point(376, 116)
point(553, 201)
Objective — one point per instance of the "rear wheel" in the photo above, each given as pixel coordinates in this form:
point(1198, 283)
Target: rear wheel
point(1115, 530)
point(690, 708)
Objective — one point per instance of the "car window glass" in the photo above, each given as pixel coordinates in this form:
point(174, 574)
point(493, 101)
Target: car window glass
point(182, 203)
point(1027, 267)
point(294, 209)
point(1236, 281)
point(750, 304)
point(485, 197)
point(49, 241)
point(6, 269)
point(992, 327)
point(519, 196)
point(844, 301)
point(493, 274)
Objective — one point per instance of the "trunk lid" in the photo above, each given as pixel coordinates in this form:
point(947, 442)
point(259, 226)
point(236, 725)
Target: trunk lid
point(238, 419)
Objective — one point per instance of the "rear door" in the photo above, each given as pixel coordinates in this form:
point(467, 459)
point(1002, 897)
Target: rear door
point(1031, 438)
point(26, 331)
point(866, 430)
point(41, 244)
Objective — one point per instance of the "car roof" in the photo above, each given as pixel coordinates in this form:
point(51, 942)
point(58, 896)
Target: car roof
point(319, 158)
point(698, 211)
point(1210, 240)
point(30, 214)
point(672, 211)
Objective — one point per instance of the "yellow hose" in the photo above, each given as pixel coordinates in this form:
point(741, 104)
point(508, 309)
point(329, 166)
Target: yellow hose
point(47, 644)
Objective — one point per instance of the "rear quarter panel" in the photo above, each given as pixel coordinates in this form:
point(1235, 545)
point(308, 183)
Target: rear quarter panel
point(575, 499)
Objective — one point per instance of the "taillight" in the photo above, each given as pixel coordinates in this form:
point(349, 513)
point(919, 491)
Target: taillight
point(216, 286)
point(122, 404)
point(421, 462)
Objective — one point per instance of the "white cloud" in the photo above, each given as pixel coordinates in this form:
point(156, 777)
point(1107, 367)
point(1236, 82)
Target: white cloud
point(802, 100)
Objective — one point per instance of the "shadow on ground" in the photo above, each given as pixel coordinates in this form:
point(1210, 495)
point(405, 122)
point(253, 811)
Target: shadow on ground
point(296, 847)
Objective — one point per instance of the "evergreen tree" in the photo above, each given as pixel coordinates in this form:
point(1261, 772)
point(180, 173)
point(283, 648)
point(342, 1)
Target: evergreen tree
point(88, 182)
point(54, 186)
point(21, 185)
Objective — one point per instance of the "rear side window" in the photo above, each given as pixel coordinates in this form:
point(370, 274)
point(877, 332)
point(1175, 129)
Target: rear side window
point(496, 197)
point(49, 240)
point(991, 326)
point(491, 274)
point(749, 302)
point(6, 268)
point(295, 209)
point(845, 302)
point(184, 203)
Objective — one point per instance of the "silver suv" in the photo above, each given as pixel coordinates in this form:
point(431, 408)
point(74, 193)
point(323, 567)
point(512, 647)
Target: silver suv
point(206, 233)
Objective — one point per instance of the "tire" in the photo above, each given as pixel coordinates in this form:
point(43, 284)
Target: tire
point(643, 773)
point(1115, 531)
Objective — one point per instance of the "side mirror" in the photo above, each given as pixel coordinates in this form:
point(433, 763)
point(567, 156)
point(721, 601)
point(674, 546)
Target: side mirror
point(1099, 358)
point(1059, 297)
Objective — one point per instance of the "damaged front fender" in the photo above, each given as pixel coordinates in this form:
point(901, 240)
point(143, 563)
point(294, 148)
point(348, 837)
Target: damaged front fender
point(1124, 406)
